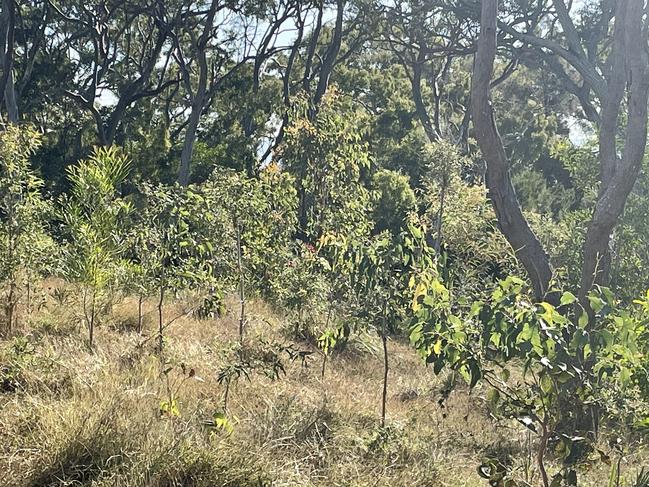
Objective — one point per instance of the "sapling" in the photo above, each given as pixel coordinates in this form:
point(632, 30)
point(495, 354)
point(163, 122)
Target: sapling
point(564, 368)
point(24, 242)
point(255, 219)
point(93, 215)
point(171, 245)
point(382, 269)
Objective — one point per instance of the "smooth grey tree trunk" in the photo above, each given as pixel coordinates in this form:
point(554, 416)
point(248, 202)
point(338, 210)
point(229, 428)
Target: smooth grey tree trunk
point(511, 221)
point(199, 97)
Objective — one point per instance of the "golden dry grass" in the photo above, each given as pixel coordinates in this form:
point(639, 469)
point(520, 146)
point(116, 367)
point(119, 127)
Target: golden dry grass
point(93, 418)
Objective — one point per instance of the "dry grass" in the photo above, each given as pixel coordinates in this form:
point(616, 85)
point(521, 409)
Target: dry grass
point(93, 419)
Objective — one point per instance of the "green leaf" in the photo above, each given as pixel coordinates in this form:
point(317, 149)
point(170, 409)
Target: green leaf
point(568, 298)
point(625, 376)
point(583, 319)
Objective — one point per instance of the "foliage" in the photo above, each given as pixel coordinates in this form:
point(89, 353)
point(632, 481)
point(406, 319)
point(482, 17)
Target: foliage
point(324, 151)
point(334, 174)
point(381, 270)
point(567, 363)
point(171, 245)
point(93, 215)
point(393, 200)
point(25, 247)
point(261, 213)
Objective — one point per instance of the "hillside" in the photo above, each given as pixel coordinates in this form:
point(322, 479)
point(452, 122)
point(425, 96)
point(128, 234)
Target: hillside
point(72, 417)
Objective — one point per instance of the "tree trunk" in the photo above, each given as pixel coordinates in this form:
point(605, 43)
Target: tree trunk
point(161, 318)
point(11, 306)
point(200, 96)
point(194, 118)
point(511, 221)
point(630, 70)
point(384, 342)
point(7, 83)
point(331, 55)
point(540, 454)
point(326, 355)
point(420, 107)
point(437, 244)
point(384, 397)
point(139, 313)
point(93, 312)
point(225, 396)
point(242, 295)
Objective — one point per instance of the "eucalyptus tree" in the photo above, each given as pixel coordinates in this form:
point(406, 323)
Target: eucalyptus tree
point(326, 36)
point(428, 39)
point(193, 60)
point(325, 153)
point(254, 235)
point(118, 54)
point(542, 365)
point(607, 69)
point(381, 271)
point(172, 245)
point(23, 28)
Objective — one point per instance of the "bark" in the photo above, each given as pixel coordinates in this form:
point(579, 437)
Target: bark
point(199, 97)
point(140, 301)
point(540, 454)
point(7, 83)
point(161, 318)
point(384, 342)
point(437, 244)
point(420, 107)
point(511, 220)
point(95, 28)
point(313, 44)
point(630, 70)
point(286, 90)
point(331, 55)
point(242, 295)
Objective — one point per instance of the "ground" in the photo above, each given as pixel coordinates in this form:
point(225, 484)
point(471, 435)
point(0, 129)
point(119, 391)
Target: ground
point(71, 416)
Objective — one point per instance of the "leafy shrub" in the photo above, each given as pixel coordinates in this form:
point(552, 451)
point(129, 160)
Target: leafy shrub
point(93, 216)
point(26, 249)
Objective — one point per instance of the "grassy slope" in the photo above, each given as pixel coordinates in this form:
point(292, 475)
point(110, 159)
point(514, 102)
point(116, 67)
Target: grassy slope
point(93, 419)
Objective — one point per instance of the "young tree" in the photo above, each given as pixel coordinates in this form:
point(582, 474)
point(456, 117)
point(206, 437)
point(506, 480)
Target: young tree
point(172, 243)
point(383, 270)
point(259, 221)
point(544, 368)
point(93, 215)
point(326, 155)
point(24, 241)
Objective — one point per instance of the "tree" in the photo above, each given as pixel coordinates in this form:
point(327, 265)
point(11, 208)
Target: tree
point(93, 216)
point(119, 55)
point(381, 272)
point(626, 72)
point(22, 38)
point(565, 371)
point(427, 38)
point(393, 200)
point(172, 245)
point(328, 158)
point(259, 219)
point(24, 242)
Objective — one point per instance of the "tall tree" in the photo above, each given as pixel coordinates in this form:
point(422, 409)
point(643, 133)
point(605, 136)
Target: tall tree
point(119, 54)
point(622, 87)
point(427, 38)
point(22, 37)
